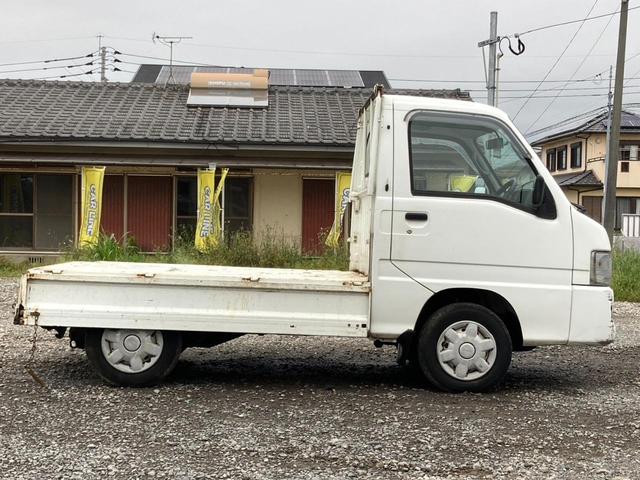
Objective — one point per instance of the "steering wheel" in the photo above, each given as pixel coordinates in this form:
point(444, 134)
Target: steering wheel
point(505, 187)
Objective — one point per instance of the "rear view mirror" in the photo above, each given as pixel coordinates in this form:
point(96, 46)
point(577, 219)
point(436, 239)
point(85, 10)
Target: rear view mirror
point(539, 189)
point(495, 143)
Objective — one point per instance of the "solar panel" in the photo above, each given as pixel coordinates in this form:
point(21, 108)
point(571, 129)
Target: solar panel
point(277, 76)
point(181, 75)
point(311, 78)
point(345, 78)
point(280, 76)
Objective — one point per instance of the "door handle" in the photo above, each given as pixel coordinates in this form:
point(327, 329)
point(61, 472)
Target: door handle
point(419, 216)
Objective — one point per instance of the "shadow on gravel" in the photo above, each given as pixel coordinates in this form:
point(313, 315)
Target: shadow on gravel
point(550, 370)
point(529, 372)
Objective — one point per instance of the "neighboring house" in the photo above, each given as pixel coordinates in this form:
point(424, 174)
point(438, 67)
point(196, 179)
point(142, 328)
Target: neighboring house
point(575, 156)
point(282, 158)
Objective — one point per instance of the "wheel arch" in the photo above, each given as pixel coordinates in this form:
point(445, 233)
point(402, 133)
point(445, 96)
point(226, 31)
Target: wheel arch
point(487, 298)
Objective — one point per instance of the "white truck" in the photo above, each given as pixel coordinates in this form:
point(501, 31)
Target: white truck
point(462, 249)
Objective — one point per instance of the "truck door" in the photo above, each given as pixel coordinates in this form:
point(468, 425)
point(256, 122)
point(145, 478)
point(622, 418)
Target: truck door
point(464, 217)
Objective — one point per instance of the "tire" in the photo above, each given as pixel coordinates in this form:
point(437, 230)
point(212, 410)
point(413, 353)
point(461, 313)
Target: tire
point(133, 358)
point(464, 347)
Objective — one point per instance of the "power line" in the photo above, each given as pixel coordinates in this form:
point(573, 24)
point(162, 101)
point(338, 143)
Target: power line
point(425, 80)
point(556, 89)
point(596, 75)
point(46, 68)
point(584, 59)
point(589, 113)
point(45, 40)
point(602, 72)
point(189, 62)
point(575, 34)
point(574, 95)
point(326, 52)
point(537, 29)
point(116, 69)
point(50, 77)
point(51, 60)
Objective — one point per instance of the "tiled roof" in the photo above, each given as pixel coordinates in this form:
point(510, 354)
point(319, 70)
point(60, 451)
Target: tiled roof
point(33, 110)
point(582, 179)
point(628, 120)
point(596, 123)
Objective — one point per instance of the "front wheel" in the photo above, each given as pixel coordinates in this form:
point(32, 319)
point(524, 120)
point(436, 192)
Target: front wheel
point(464, 347)
point(133, 358)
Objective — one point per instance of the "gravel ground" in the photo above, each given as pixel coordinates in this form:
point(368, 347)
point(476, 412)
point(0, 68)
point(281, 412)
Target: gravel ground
point(303, 408)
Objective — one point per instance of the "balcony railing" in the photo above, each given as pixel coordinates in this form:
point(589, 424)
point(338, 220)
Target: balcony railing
point(631, 225)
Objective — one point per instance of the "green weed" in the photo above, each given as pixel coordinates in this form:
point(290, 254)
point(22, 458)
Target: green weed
point(626, 275)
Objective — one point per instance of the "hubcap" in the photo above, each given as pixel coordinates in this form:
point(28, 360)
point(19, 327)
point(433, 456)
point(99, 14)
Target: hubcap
point(466, 350)
point(131, 351)
point(132, 342)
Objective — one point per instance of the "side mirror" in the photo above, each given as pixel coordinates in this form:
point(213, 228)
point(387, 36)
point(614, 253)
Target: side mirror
point(539, 189)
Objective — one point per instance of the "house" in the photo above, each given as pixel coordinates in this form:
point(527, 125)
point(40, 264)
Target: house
point(575, 152)
point(283, 157)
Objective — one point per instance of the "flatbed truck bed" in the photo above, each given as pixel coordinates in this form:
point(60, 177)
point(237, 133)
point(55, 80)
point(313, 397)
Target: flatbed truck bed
point(203, 298)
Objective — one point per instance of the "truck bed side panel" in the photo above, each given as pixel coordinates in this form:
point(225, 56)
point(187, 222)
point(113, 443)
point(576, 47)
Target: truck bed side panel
point(74, 299)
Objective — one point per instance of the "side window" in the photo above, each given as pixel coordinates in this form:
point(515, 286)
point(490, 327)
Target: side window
point(551, 159)
point(562, 158)
point(576, 155)
point(468, 156)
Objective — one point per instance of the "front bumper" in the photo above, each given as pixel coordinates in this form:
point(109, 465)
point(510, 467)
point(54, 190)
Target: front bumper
point(591, 321)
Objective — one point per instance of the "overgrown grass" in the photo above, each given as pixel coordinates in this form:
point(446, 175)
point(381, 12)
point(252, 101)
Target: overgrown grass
point(107, 248)
point(626, 275)
point(269, 250)
point(240, 249)
point(9, 269)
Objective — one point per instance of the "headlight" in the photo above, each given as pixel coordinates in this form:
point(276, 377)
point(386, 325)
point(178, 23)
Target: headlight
point(600, 268)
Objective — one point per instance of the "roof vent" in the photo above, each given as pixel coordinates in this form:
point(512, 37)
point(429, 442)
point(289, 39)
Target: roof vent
point(230, 89)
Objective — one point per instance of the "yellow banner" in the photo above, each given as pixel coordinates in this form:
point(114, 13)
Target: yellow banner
point(91, 207)
point(343, 188)
point(209, 222)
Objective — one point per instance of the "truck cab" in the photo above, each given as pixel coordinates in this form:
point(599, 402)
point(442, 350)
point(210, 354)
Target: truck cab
point(462, 249)
point(452, 207)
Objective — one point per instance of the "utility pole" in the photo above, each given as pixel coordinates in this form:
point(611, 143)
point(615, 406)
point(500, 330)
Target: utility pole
point(497, 82)
point(103, 58)
point(609, 107)
point(613, 147)
point(493, 44)
point(103, 64)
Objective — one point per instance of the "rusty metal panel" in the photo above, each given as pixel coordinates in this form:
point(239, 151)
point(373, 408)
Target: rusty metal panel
point(318, 210)
point(112, 220)
point(149, 211)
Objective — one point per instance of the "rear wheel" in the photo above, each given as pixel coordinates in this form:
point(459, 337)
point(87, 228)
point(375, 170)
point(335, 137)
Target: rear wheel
point(133, 358)
point(464, 347)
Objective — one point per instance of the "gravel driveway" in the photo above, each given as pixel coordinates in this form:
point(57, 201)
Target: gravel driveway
point(302, 408)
